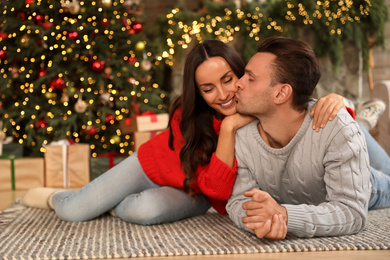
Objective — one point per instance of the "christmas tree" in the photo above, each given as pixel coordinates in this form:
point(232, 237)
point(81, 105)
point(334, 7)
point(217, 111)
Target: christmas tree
point(72, 69)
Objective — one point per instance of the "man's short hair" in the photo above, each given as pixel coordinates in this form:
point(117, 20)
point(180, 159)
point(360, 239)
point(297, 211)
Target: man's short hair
point(295, 64)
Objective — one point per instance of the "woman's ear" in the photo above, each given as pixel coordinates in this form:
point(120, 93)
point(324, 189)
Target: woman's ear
point(283, 93)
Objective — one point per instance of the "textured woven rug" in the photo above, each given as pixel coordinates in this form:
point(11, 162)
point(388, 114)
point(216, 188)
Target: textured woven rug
point(27, 233)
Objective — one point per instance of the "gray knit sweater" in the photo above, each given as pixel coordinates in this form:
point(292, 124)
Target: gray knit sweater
point(322, 178)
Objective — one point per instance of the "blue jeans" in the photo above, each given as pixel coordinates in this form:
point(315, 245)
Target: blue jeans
point(380, 173)
point(133, 196)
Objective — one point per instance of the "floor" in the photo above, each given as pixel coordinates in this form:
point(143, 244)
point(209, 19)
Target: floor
point(9, 197)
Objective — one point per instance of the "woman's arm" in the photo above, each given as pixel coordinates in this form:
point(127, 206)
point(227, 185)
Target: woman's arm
point(226, 139)
point(325, 109)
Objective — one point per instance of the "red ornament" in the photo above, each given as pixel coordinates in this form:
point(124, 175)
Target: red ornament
point(57, 83)
point(3, 54)
point(105, 22)
point(110, 119)
point(90, 130)
point(137, 27)
point(73, 35)
point(29, 2)
point(46, 25)
point(41, 123)
point(98, 66)
point(132, 60)
point(21, 15)
point(3, 35)
point(41, 72)
point(39, 18)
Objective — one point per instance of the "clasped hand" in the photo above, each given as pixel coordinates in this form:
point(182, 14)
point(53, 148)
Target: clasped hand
point(264, 215)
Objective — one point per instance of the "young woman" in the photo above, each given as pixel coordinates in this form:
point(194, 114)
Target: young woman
point(184, 170)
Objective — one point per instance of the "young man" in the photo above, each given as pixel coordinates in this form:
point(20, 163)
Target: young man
point(291, 178)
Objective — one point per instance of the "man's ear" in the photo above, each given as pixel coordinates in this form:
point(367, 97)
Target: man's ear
point(283, 93)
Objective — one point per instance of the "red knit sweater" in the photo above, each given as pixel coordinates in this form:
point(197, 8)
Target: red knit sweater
point(163, 167)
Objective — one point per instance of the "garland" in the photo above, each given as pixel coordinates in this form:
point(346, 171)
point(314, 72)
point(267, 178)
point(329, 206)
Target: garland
point(331, 22)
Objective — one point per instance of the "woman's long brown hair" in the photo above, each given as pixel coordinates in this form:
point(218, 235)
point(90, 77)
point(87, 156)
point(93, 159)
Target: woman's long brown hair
point(196, 125)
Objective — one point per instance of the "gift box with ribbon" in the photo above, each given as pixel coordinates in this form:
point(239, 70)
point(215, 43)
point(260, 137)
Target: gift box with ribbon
point(144, 122)
point(21, 173)
point(67, 165)
point(103, 163)
point(141, 137)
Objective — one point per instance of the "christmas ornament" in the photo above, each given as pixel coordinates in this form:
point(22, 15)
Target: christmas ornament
point(137, 27)
point(106, 3)
point(146, 65)
point(139, 46)
point(29, 2)
point(3, 35)
point(74, 7)
point(105, 100)
point(49, 95)
point(80, 106)
point(3, 55)
point(41, 72)
point(57, 83)
point(115, 139)
point(38, 18)
point(73, 35)
point(21, 15)
point(97, 66)
point(40, 123)
point(25, 41)
point(46, 25)
point(105, 22)
point(110, 119)
point(90, 130)
point(132, 60)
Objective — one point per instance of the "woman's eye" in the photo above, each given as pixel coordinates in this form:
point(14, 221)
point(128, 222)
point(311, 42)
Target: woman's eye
point(228, 80)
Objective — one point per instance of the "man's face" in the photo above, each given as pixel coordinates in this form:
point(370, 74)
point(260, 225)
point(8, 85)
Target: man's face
point(254, 94)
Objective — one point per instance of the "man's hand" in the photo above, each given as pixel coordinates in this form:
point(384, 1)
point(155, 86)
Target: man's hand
point(265, 216)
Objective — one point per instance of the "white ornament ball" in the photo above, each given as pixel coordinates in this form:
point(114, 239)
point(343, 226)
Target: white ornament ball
point(80, 106)
point(146, 65)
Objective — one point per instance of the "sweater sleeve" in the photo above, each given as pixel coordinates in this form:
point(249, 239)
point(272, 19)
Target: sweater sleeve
point(216, 179)
point(245, 181)
point(347, 183)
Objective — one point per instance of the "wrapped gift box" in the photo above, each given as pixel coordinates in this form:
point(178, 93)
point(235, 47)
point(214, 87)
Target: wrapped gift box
point(141, 137)
point(144, 123)
point(21, 173)
point(103, 163)
point(67, 165)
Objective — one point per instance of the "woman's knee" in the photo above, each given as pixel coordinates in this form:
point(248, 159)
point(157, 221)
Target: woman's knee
point(140, 209)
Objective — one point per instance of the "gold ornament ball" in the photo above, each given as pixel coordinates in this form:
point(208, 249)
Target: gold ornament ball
point(140, 46)
point(69, 50)
point(49, 95)
point(115, 139)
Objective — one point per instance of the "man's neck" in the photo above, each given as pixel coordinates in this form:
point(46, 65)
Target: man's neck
point(278, 130)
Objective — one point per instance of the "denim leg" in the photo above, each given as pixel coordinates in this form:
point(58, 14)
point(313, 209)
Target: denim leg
point(380, 190)
point(103, 193)
point(379, 159)
point(160, 205)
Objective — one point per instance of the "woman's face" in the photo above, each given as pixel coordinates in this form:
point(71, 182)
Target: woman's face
point(217, 85)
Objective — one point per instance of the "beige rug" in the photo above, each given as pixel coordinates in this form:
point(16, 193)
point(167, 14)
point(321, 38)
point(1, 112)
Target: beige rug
point(27, 233)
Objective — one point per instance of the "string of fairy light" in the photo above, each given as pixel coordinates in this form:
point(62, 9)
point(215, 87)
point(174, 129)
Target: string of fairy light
point(226, 32)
